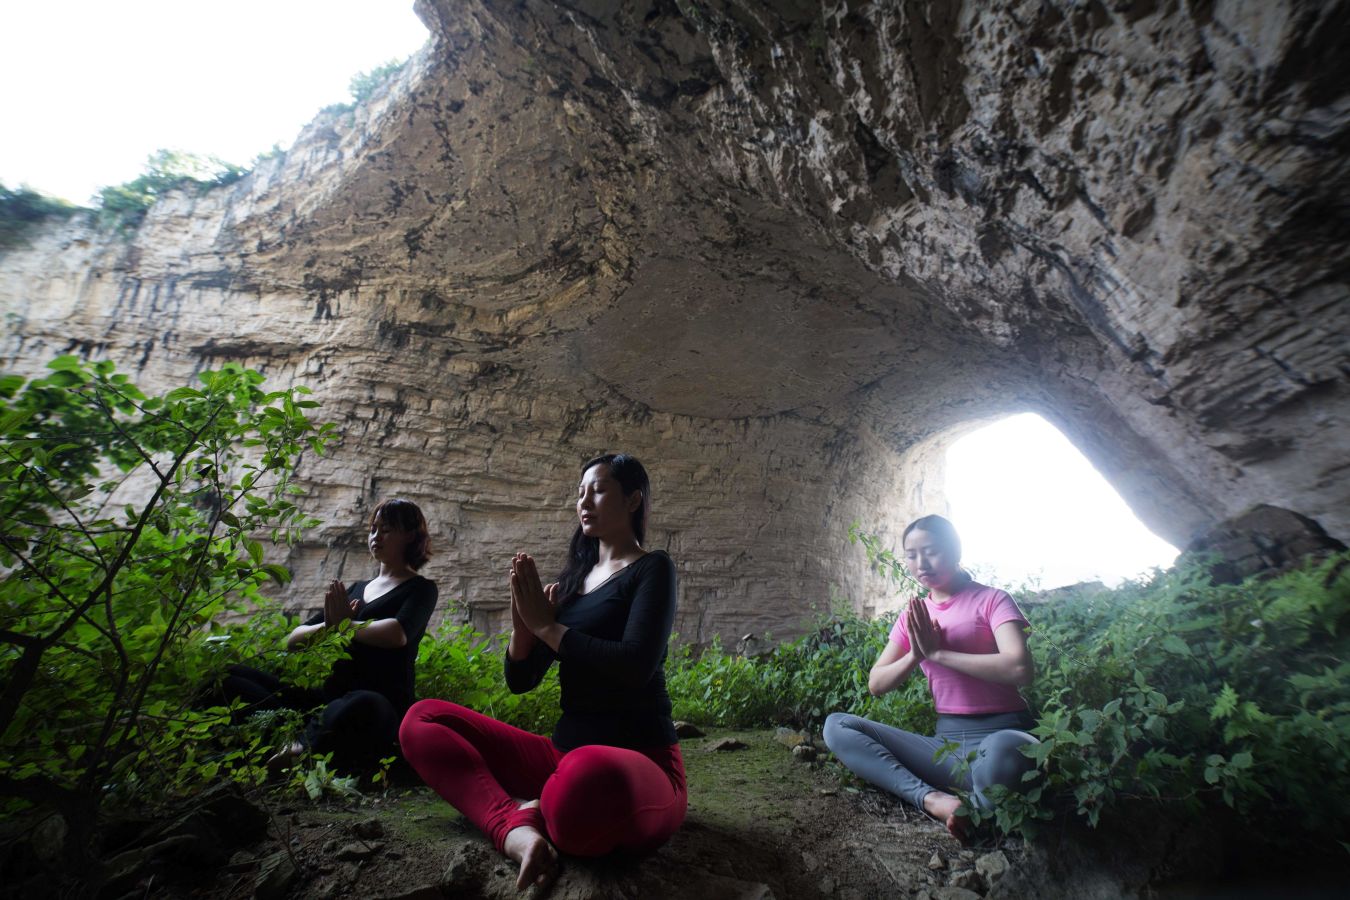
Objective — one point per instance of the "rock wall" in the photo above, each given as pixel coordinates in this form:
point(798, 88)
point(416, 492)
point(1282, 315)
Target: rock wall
point(782, 252)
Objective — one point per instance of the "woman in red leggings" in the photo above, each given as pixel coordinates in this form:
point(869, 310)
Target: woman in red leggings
point(611, 777)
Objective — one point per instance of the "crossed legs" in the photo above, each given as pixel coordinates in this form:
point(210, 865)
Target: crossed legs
point(515, 786)
point(904, 763)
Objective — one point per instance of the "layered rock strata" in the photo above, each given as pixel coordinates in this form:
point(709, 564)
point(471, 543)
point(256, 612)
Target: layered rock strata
point(782, 252)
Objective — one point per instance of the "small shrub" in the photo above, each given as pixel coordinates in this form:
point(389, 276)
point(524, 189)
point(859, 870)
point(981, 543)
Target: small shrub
point(463, 666)
point(22, 209)
point(364, 85)
point(124, 206)
point(106, 606)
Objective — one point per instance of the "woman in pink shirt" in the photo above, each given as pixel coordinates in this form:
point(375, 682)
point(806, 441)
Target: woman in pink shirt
point(970, 641)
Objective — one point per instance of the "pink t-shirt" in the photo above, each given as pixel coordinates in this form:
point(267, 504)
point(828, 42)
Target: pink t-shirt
point(968, 620)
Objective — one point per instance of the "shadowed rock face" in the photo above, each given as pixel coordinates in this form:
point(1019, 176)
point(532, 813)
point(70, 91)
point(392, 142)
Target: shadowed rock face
point(782, 254)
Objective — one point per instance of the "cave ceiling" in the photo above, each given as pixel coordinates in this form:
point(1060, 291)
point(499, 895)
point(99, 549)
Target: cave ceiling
point(761, 239)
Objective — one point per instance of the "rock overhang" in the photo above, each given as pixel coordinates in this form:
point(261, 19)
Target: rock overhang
point(780, 249)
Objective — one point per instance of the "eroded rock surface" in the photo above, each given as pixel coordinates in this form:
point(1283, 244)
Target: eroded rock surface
point(782, 252)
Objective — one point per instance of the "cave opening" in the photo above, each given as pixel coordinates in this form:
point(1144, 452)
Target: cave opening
point(1032, 510)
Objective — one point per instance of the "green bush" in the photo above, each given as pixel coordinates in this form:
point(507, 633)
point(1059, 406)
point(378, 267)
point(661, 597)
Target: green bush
point(105, 606)
point(124, 206)
point(1195, 694)
point(459, 664)
point(22, 209)
point(364, 84)
point(798, 684)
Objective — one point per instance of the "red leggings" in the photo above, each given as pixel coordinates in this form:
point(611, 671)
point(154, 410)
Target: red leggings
point(592, 800)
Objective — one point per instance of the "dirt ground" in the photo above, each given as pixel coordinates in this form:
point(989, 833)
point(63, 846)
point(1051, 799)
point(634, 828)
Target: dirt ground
point(762, 823)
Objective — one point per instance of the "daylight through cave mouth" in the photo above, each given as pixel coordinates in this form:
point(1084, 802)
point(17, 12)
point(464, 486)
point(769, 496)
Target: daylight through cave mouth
point(1031, 509)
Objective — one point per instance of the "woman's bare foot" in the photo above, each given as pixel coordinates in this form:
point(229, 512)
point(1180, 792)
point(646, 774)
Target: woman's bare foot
point(284, 758)
point(943, 807)
point(528, 846)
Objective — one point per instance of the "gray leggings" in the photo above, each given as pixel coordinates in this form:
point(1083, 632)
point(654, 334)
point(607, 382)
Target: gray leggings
point(902, 762)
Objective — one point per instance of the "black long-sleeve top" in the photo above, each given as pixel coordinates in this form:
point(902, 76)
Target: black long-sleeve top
point(611, 660)
point(386, 670)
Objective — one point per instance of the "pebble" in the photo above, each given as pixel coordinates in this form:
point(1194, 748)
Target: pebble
point(992, 866)
point(966, 878)
point(725, 744)
point(359, 850)
point(370, 828)
point(275, 877)
point(688, 730)
point(936, 862)
point(955, 893)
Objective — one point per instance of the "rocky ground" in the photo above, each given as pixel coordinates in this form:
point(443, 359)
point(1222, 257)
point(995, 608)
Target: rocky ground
point(766, 820)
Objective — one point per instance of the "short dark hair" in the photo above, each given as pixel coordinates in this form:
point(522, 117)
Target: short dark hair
point(406, 516)
point(938, 527)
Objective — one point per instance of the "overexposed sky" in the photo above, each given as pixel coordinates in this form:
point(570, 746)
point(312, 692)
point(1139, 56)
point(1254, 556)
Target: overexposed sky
point(90, 88)
point(1030, 507)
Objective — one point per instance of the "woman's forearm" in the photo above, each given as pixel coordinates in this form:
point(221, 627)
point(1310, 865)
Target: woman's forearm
point(387, 634)
point(883, 679)
point(301, 635)
point(1000, 668)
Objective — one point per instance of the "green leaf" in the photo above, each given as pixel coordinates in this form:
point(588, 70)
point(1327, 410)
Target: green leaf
point(279, 574)
point(1224, 704)
point(1175, 645)
point(67, 378)
point(65, 363)
point(12, 419)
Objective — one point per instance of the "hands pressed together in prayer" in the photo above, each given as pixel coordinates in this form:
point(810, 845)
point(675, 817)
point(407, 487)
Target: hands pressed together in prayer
point(534, 606)
point(336, 606)
point(925, 636)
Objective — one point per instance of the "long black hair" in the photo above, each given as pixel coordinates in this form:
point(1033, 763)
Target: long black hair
point(584, 552)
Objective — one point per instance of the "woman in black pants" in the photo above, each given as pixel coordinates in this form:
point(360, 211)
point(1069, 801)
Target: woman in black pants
point(368, 691)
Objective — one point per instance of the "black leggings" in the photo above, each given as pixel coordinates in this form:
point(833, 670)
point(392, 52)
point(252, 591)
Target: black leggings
point(359, 727)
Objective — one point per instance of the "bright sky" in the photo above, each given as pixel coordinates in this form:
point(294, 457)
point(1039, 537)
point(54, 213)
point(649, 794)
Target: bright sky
point(1030, 507)
point(92, 87)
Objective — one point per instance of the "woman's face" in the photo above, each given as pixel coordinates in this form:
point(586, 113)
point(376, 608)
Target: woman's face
point(387, 542)
point(604, 511)
point(930, 561)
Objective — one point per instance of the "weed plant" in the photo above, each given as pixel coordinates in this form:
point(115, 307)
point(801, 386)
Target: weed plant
point(798, 684)
point(22, 209)
point(1197, 696)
